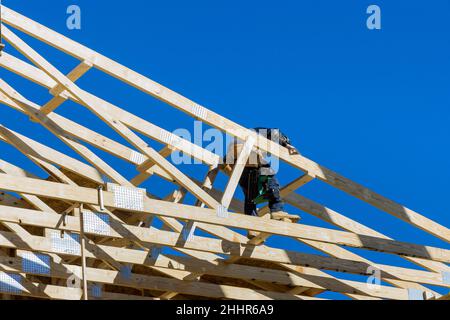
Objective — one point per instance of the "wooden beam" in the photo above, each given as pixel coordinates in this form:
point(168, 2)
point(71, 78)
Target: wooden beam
point(237, 172)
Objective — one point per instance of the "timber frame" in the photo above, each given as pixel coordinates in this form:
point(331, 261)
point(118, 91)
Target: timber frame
point(87, 232)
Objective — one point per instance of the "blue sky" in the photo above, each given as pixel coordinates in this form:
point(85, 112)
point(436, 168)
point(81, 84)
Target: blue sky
point(370, 105)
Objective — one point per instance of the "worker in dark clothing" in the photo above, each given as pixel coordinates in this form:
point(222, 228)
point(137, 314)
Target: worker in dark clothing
point(253, 185)
point(258, 180)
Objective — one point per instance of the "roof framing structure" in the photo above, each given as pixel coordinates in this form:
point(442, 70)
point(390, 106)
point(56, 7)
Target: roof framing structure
point(87, 232)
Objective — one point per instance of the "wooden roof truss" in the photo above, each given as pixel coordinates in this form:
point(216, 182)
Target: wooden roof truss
point(72, 229)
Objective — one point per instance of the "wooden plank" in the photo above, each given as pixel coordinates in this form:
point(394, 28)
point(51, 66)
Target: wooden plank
point(307, 277)
point(52, 292)
point(60, 176)
point(237, 172)
point(335, 251)
point(103, 167)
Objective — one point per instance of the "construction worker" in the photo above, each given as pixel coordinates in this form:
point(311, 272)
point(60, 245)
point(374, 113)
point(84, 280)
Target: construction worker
point(258, 180)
